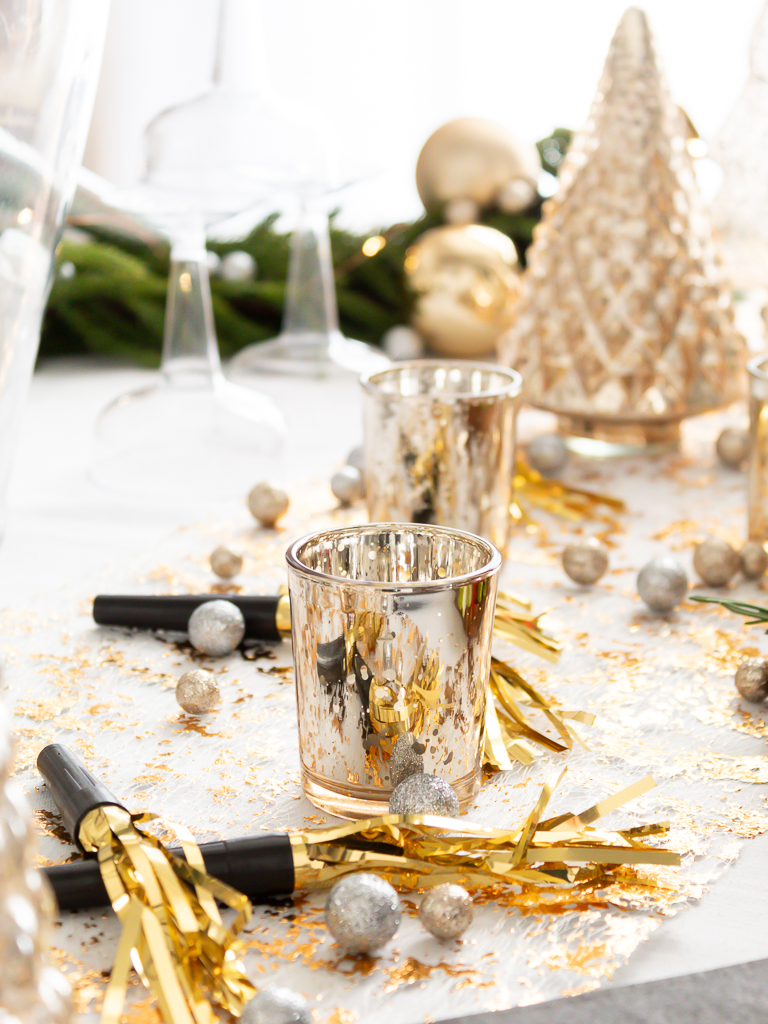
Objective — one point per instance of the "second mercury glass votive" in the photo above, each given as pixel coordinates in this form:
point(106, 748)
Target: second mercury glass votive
point(392, 627)
point(440, 445)
point(757, 497)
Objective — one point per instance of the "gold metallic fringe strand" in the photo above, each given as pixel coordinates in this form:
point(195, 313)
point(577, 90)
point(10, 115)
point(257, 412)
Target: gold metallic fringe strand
point(427, 850)
point(514, 621)
point(572, 503)
point(172, 932)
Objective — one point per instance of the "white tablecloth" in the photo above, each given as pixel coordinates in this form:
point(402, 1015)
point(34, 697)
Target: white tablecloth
point(66, 540)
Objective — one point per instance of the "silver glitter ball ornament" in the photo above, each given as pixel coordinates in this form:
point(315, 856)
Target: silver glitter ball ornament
point(216, 628)
point(752, 679)
point(716, 561)
point(197, 691)
point(225, 563)
point(732, 447)
point(548, 453)
point(362, 912)
point(356, 458)
point(585, 561)
point(276, 1006)
point(424, 794)
point(662, 584)
point(267, 504)
point(754, 559)
point(406, 759)
point(446, 911)
point(347, 485)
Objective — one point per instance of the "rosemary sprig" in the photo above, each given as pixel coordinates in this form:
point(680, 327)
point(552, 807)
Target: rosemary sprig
point(758, 614)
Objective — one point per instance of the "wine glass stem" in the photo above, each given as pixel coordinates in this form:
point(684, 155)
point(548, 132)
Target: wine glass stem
point(310, 302)
point(190, 351)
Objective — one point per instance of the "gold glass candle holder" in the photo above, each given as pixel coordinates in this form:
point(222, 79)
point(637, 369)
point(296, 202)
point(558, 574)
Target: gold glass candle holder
point(440, 445)
point(391, 628)
point(757, 499)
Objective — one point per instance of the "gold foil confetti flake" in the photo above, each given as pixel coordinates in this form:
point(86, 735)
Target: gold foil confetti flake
point(580, 990)
point(341, 1016)
point(49, 823)
point(172, 932)
point(188, 723)
point(41, 710)
point(587, 959)
point(725, 709)
point(86, 983)
point(741, 821)
point(144, 1012)
point(705, 764)
point(414, 972)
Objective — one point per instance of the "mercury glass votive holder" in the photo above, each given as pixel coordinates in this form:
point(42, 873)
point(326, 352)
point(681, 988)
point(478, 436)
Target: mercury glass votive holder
point(440, 445)
point(757, 490)
point(391, 627)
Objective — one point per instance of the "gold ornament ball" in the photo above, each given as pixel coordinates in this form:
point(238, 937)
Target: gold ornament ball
point(467, 284)
point(474, 159)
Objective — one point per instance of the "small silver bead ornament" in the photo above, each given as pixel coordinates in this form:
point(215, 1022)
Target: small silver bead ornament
point(446, 911)
point(548, 453)
point(754, 559)
point(716, 561)
point(268, 504)
point(585, 561)
point(225, 563)
point(347, 485)
point(362, 912)
point(732, 447)
point(405, 759)
point(216, 628)
point(275, 1005)
point(662, 584)
point(197, 691)
point(752, 679)
point(424, 794)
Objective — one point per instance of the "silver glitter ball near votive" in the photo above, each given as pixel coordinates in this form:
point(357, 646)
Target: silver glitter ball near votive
point(424, 794)
point(276, 1006)
point(347, 485)
point(446, 911)
point(362, 912)
point(406, 759)
point(267, 504)
point(732, 447)
point(752, 679)
point(662, 584)
point(716, 561)
point(585, 561)
point(548, 453)
point(754, 559)
point(197, 691)
point(216, 628)
point(356, 458)
point(225, 563)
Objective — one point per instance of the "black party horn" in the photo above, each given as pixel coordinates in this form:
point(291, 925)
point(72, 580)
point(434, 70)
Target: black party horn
point(266, 618)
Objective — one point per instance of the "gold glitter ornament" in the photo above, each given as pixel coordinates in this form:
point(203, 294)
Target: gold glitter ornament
point(478, 162)
point(225, 563)
point(732, 447)
point(446, 911)
point(751, 679)
point(197, 691)
point(267, 503)
point(586, 561)
point(754, 559)
point(716, 561)
point(467, 285)
point(625, 324)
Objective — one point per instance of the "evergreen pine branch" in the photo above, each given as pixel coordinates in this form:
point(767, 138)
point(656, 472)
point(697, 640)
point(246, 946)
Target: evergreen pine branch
point(758, 614)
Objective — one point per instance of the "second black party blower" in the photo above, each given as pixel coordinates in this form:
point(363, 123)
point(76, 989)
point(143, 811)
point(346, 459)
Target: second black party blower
point(266, 618)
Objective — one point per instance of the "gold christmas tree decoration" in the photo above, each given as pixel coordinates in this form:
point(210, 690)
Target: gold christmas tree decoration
point(625, 325)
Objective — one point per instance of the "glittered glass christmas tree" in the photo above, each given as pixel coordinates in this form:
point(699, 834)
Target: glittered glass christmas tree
point(625, 325)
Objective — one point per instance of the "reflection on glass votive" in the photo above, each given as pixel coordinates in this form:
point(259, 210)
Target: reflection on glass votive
point(392, 628)
point(440, 445)
point(757, 501)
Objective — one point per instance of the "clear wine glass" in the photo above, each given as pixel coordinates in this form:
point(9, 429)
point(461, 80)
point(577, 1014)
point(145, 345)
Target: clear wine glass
point(208, 160)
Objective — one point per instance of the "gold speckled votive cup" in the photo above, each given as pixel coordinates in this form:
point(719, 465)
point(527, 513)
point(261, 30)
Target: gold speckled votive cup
point(391, 627)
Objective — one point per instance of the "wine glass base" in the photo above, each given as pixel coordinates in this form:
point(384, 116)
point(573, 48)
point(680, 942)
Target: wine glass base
point(305, 355)
point(169, 442)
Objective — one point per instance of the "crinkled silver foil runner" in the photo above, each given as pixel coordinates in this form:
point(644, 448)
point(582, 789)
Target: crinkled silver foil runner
point(661, 691)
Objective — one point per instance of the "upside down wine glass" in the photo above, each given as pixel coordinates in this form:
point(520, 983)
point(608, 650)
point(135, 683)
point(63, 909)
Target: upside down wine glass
point(207, 160)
